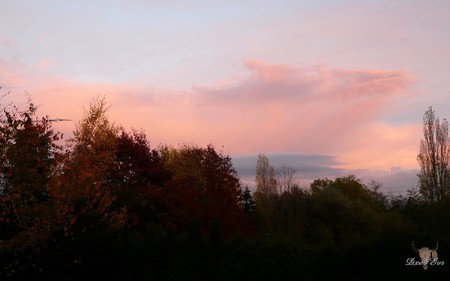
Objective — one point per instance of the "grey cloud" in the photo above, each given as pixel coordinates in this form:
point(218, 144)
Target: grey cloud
point(309, 167)
point(398, 181)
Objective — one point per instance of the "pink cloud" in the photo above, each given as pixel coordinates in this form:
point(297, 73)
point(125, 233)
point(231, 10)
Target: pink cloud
point(289, 109)
point(372, 82)
point(278, 83)
point(382, 146)
point(275, 108)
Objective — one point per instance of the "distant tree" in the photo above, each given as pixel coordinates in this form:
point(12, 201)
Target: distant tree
point(247, 201)
point(347, 208)
point(434, 176)
point(320, 184)
point(285, 179)
point(266, 183)
point(350, 187)
point(290, 211)
point(414, 196)
point(379, 197)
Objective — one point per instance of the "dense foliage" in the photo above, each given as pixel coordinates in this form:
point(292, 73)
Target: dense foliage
point(107, 206)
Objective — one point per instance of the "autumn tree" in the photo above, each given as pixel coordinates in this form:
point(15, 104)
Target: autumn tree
point(83, 192)
point(137, 180)
point(29, 160)
point(266, 183)
point(205, 185)
point(265, 196)
point(434, 176)
point(136, 163)
point(29, 157)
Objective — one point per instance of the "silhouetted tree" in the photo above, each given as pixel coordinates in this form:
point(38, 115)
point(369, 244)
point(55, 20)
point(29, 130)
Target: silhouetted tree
point(434, 176)
point(83, 192)
point(320, 184)
point(137, 180)
point(29, 158)
point(205, 185)
point(285, 178)
point(247, 201)
point(347, 208)
point(266, 183)
point(111, 207)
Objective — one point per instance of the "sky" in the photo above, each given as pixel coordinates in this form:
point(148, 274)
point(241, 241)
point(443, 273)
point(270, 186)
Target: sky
point(330, 88)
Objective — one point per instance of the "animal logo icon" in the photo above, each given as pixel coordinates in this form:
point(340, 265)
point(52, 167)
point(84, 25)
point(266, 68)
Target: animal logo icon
point(426, 254)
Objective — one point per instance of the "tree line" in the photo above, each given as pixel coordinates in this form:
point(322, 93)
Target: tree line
point(106, 205)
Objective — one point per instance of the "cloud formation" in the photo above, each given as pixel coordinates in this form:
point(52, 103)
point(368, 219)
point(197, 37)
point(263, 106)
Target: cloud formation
point(274, 108)
point(281, 108)
point(309, 167)
point(346, 86)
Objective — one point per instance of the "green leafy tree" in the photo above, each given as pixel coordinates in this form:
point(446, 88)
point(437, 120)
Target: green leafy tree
point(350, 186)
point(347, 208)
